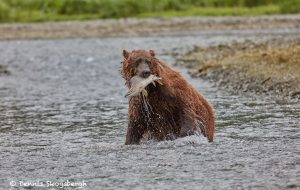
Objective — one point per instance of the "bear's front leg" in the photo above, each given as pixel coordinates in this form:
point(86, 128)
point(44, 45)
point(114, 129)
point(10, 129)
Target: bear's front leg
point(145, 137)
point(136, 124)
point(187, 125)
point(133, 135)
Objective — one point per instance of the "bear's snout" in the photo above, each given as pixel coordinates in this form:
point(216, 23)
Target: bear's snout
point(143, 70)
point(145, 73)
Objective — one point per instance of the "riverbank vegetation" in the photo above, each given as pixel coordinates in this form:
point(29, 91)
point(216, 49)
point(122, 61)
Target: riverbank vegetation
point(271, 67)
point(53, 10)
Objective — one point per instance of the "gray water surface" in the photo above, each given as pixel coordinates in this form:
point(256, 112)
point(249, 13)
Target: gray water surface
point(63, 116)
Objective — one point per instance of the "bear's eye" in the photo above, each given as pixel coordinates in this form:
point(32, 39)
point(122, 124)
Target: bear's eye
point(148, 61)
point(137, 62)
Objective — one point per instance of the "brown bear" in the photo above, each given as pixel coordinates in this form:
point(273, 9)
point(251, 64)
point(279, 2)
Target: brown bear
point(172, 107)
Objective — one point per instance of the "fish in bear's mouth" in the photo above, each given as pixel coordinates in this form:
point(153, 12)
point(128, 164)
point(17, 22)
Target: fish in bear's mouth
point(138, 85)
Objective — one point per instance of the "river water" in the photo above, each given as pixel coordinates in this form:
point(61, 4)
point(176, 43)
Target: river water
point(63, 117)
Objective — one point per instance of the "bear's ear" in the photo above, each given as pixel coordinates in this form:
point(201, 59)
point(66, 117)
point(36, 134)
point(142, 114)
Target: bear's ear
point(152, 53)
point(125, 54)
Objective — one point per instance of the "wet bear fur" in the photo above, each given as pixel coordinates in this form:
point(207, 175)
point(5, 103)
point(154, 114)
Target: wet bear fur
point(171, 110)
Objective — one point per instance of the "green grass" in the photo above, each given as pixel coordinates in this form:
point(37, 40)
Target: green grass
point(36, 16)
point(217, 11)
point(56, 10)
point(291, 6)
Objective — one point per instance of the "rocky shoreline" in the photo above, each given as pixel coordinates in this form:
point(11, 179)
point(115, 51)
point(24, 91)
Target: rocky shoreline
point(269, 68)
point(143, 27)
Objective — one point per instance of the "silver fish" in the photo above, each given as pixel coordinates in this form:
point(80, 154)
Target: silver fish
point(138, 85)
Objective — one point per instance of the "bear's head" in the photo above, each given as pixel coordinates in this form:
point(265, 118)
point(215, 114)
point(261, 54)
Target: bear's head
point(139, 63)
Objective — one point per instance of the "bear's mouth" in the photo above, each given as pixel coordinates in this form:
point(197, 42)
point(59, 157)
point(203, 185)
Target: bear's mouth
point(138, 85)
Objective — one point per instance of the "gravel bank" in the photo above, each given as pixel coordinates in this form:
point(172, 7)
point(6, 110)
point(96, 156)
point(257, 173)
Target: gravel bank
point(270, 67)
point(142, 27)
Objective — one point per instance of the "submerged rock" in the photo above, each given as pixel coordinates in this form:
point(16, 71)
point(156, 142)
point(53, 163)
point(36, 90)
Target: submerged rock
point(3, 70)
